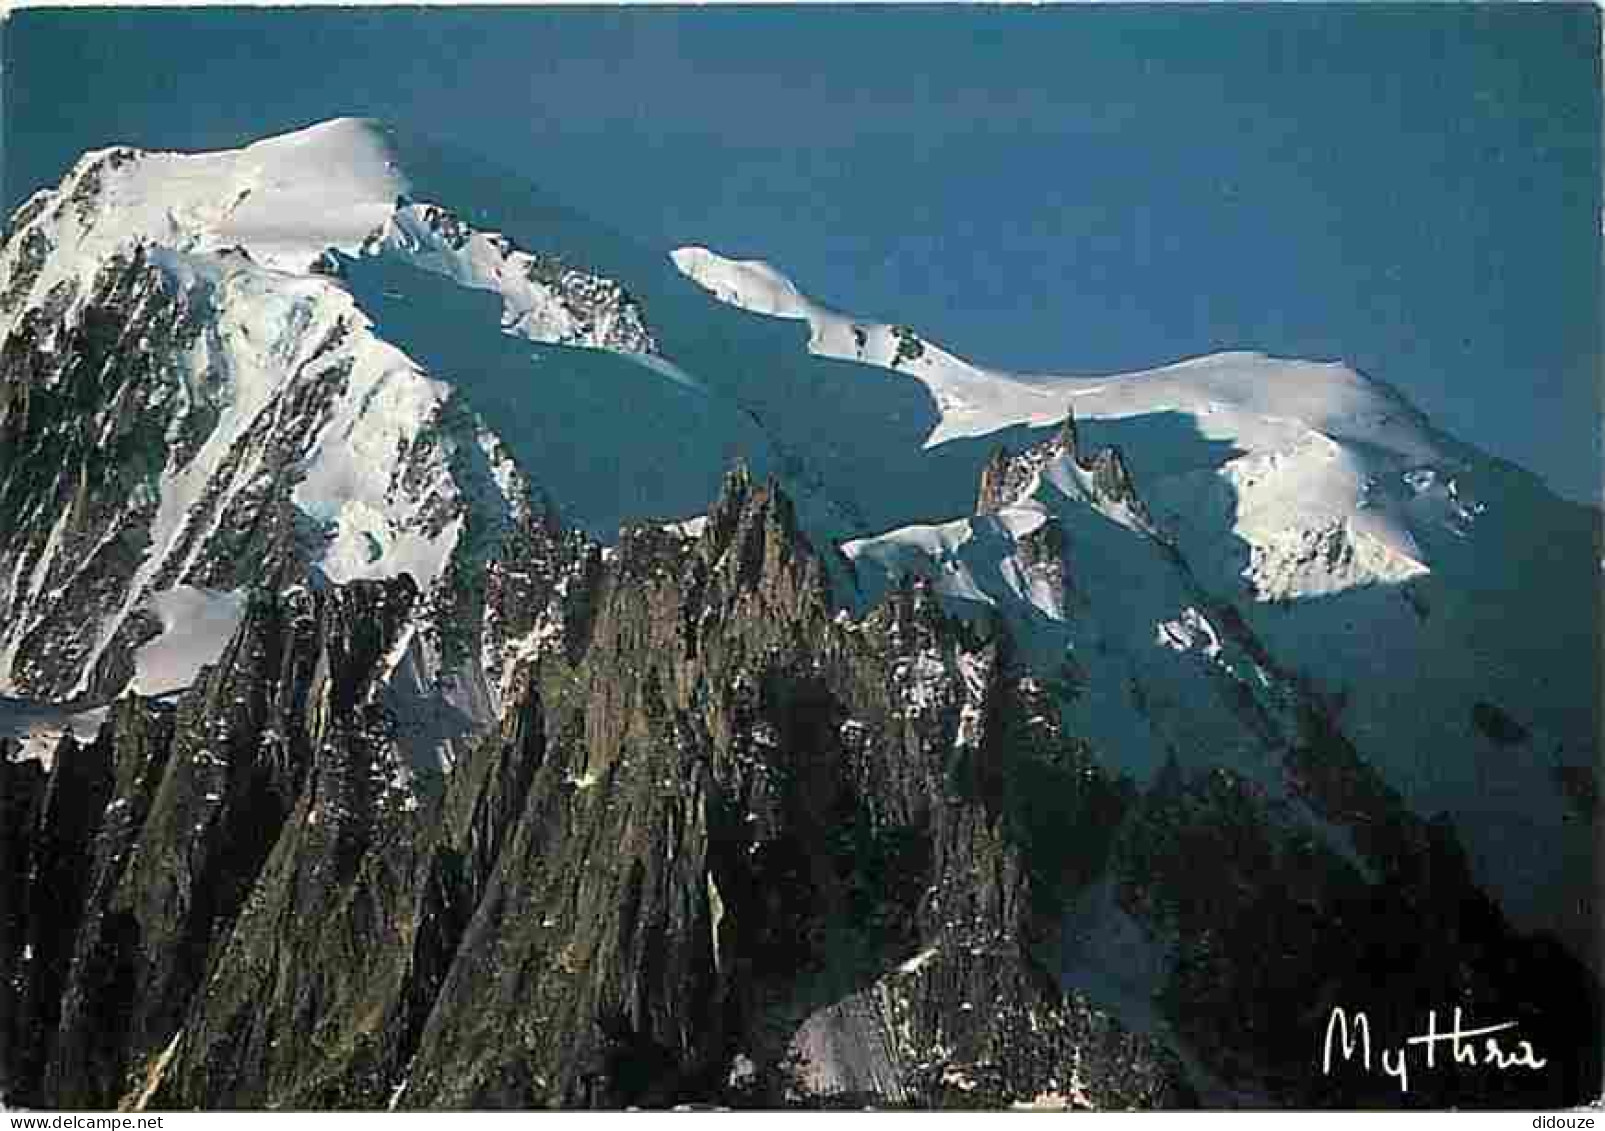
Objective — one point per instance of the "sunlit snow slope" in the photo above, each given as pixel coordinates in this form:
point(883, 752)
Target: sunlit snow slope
point(346, 354)
point(1416, 584)
point(293, 357)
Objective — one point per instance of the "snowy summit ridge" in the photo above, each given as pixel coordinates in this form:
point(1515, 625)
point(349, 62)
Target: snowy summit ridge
point(499, 620)
point(343, 356)
point(287, 424)
point(1360, 543)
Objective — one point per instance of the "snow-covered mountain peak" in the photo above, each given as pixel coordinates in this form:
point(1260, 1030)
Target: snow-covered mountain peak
point(1297, 449)
point(978, 400)
point(338, 356)
point(287, 203)
point(1362, 546)
point(751, 284)
point(236, 333)
point(283, 200)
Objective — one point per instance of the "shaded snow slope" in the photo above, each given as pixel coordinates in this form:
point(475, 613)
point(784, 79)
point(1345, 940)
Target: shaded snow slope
point(1412, 582)
point(267, 430)
point(348, 185)
point(342, 354)
point(284, 200)
point(1312, 441)
point(196, 626)
point(347, 354)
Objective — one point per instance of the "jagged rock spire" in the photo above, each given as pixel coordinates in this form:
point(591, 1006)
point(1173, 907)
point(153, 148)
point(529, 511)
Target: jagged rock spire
point(1111, 478)
point(1069, 439)
point(726, 510)
point(993, 493)
point(1005, 475)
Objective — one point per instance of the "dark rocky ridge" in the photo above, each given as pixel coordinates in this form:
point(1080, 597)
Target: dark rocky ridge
point(1007, 475)
point(109, 391)
point(723, 844)
point(728, 847)
point(712, 816)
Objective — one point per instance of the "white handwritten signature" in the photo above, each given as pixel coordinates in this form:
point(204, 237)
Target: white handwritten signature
point(1349, 1037)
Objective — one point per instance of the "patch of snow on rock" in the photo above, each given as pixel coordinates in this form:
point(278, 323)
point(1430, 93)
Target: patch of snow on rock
point(196, 625)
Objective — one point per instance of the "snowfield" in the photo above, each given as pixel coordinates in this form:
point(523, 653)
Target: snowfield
point(1311, 440)
point(1386, 565)
point(415, 354)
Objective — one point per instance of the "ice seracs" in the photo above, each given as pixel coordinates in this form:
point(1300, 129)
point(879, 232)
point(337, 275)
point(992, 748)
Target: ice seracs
point(277, 380)
point(1363, 547)
point(332, 367)
point(1295, 442)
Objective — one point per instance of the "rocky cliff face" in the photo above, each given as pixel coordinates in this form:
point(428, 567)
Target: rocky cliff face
point(410, 793)
point(182, 416)
point(728, 846)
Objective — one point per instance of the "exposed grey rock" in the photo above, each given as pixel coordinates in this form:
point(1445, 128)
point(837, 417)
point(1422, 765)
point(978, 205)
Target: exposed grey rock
point(708, 839)
point(1006, 476)
point(746, 810)
point(909, 345)
point(720, 826)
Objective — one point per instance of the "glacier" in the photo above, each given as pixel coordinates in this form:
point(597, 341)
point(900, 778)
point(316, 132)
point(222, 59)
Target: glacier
point(410, 364)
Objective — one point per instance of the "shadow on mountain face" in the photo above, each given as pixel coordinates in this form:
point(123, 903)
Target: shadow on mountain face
point(1490, 903)
point(612, 440)
point(607, 438)
point(1504, 625)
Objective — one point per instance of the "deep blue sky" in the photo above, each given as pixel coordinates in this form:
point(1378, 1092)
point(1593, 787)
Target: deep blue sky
point(1413, 189)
